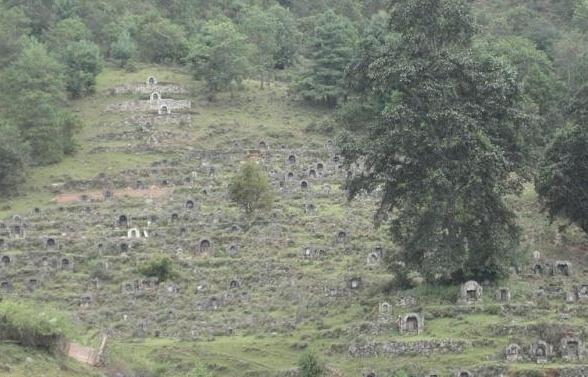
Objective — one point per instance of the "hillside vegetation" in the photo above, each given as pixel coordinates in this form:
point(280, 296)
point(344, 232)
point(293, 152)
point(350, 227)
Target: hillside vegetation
point(214, 189)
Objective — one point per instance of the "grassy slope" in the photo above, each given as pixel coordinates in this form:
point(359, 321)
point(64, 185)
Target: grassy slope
point(272, 116)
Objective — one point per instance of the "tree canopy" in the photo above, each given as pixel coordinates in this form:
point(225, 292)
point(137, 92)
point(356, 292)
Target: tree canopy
point(439, 131)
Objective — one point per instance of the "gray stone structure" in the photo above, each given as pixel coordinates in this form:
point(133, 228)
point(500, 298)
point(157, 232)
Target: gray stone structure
point(513, 352)
point(503, 294)
point(164, 110)
point(204, 246)
point(571, 348)
point(411, 324)
point(541, 351)
point(155, 97)
point(562, 268)
point(354, 283)
point(470, 292)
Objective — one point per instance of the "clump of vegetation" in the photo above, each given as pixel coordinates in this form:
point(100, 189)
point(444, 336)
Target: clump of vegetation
point(32, 324)
point(160, 268)
point(310, 365)
point(563, 177)
point(251, 189)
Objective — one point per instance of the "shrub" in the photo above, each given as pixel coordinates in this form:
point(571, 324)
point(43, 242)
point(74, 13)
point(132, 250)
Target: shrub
point(310, 365)
point(251, 189)
point(161, 268)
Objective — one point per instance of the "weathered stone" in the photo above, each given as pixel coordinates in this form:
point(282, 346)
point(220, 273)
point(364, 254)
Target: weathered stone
point(470, 292)
point(411, 324)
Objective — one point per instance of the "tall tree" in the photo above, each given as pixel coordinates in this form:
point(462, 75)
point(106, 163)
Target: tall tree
point(124, 48)
point(161, 40)
point(13, 159)
point(288, 37)
point(563, 172)
point(563, 176)
point(220, 56)
point(13, 26)
point(83, 62)
point(261, 29)
point(36, 82)
point(441, 139)
point(330, 52)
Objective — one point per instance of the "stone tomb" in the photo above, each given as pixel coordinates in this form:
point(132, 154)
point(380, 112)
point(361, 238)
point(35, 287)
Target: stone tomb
point(513, 352)
point(5, 261)
point(155, 97)
point(354, 283)
point(503, 295)
point(151, 81)
point(204, 246)
point(541, 351)
point(562, 268)
point(571, 348)
point(411, 324)
point(470, 292)
point(164, 110)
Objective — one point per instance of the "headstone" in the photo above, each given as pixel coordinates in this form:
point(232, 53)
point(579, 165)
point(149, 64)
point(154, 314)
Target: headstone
point(470, 292)
point(513, 352)
point(412, 324)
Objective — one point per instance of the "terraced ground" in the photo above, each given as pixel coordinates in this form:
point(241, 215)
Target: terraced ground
point(250, 297)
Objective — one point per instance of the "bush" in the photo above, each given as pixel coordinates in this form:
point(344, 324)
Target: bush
point(161, 268)
point(310, 365)
point(251, 189)
point(33, 325)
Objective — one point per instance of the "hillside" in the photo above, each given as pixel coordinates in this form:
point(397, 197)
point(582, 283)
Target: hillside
point(250, 298)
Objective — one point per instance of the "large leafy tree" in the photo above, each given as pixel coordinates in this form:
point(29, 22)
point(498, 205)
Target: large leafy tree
point(83, 63)
point(13, 25)
point(542, 90)
point(330, 51)
point(563, 172)
point(36, 83)
point(221, 56)
point(261, 28)
point(288, 37)
point(160, 40)
point(438, 131)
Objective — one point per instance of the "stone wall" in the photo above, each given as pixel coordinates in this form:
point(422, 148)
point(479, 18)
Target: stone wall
point(406, 348)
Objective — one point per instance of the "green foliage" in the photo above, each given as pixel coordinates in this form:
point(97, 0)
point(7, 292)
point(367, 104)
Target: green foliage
point(288, 37)
point(251, 189)
point(123, 49)
point(162, 41)
point(540, 86)
point(13, 26)
point(261, 29)
point(580, 19)
point(13, 159)
point(443, 142)
point(160, 268)
point(563, 176)
point(199, 371)
point(66, 32)
point(330, 51)
point(33, 324)
point(310, 365)
point(83, 63)
point(36, 83)
point(220, 56)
